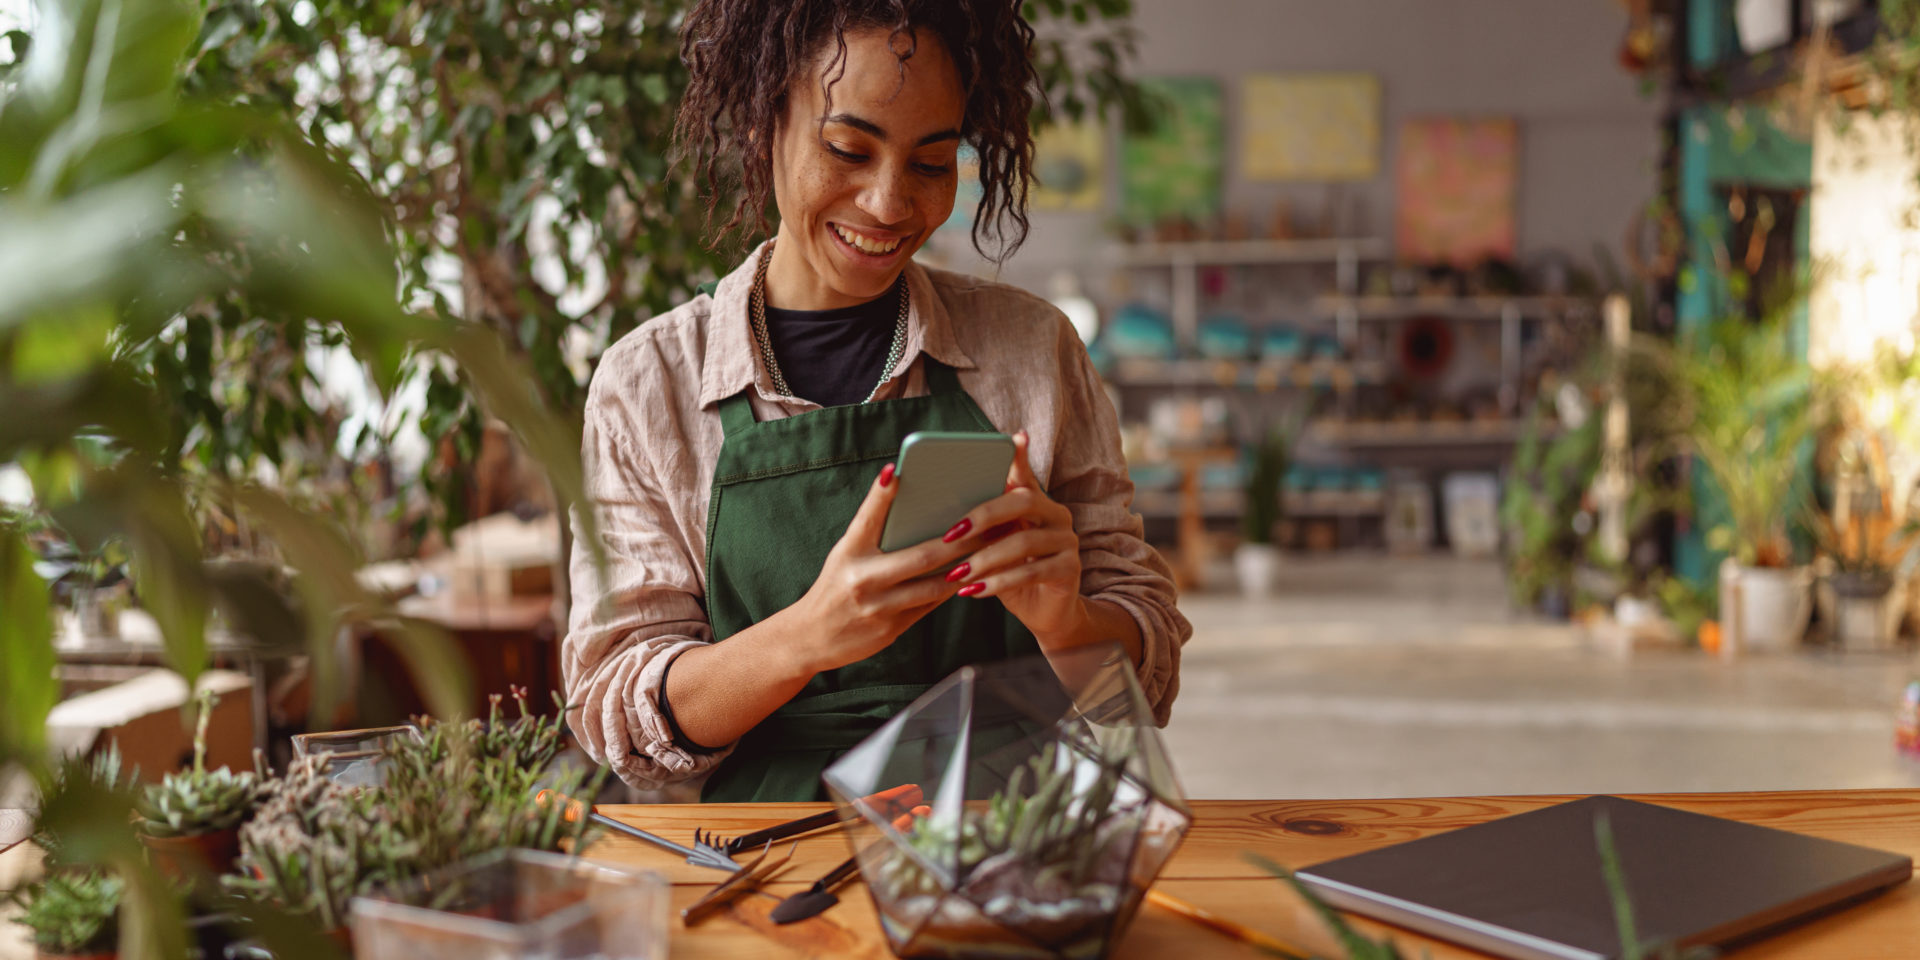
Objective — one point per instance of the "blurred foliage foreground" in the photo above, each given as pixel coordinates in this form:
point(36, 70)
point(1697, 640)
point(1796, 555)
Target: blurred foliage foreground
point(127, 207)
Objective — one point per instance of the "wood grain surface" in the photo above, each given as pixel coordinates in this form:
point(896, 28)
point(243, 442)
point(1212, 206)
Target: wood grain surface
point(1210, 870)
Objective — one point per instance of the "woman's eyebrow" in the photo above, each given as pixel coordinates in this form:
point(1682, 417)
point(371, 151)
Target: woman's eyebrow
point(879, 133)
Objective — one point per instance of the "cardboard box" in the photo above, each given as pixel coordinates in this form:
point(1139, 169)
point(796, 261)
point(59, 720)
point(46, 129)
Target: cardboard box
point(144, 717)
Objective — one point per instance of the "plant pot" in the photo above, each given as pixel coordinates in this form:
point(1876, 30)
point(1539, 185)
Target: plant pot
point(1764, 608)
point(1867, 609)
point(1763, 24)
point(1256, 565)
point(183, 858)
point(103, 955)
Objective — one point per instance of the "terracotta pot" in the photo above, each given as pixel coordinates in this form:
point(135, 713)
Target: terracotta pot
point(183, 857)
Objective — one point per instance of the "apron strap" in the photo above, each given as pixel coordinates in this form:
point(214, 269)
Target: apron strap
point(941, 379)
point(736, 414)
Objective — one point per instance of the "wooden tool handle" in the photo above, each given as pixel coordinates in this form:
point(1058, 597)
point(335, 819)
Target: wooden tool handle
point(886, 801)
point(1222, 925)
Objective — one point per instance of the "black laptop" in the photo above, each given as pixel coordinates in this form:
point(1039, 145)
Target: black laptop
point(1531, 886)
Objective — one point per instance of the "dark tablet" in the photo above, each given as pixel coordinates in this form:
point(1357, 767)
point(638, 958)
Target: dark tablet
point(1531, 886)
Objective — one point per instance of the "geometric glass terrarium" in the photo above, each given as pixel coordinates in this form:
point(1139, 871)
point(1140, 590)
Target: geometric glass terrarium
point(1050, 808)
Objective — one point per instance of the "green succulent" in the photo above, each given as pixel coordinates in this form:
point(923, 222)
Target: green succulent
point(71, 912)
point(199, 801)
point(459, 790)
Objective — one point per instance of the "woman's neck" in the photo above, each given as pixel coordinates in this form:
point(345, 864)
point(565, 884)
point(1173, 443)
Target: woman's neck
point(792, 283)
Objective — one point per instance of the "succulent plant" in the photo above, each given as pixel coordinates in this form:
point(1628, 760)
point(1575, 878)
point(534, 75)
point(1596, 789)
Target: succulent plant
point(199, 800)
point(458, 790)
point(71, 912)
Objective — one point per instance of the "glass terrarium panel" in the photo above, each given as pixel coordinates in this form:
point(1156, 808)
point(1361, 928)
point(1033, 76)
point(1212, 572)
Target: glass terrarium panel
point(516, 905)
point(1049, 808)
point(353, 757)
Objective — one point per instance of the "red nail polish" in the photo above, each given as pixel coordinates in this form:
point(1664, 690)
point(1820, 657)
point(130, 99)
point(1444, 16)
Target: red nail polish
point(972, 589)
point(959, 573)
point(959, 530)
point(886, 475)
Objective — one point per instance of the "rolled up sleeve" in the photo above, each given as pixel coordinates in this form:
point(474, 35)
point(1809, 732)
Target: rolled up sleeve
point(1089, 477)
point(628, 625)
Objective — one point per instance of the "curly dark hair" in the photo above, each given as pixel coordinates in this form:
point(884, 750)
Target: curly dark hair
point(744, 55)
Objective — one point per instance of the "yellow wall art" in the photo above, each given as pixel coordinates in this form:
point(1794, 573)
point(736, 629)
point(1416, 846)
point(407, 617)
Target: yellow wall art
point(1310, 126)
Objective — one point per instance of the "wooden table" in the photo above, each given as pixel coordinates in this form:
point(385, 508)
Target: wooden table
point(1209, 870)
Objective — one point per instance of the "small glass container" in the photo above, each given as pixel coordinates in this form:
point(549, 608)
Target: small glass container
point(354, 757)
point(1050, 809)
point(517, 905)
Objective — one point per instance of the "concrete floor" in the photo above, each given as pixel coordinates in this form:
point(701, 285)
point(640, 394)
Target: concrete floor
point(1375, 676)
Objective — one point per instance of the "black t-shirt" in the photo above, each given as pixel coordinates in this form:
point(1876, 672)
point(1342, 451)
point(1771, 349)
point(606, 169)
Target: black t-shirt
point(834, 357)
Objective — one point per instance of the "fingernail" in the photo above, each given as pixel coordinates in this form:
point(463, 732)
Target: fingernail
point(959, 573)
point(972, 589)
point(959, 530)
point(886, 475)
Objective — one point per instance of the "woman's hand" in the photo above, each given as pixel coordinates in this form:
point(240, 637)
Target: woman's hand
point(1025, 552)
point(863, 598)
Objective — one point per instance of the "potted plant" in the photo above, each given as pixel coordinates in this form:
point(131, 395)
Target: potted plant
point(1867, 560)
point(1053, 809)
point(190, 821)
point(456, 791)
point(1747, 409)
point(73, 914)
point(1542, 504)
point(1257, 559)
point(93, 581)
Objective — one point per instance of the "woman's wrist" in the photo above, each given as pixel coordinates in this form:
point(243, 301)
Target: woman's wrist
point(1091, 622)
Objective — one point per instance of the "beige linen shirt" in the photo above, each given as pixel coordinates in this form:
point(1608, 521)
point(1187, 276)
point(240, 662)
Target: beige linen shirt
point(653, 438)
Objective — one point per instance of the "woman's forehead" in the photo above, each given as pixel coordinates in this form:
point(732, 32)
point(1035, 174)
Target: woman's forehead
point(874, 84)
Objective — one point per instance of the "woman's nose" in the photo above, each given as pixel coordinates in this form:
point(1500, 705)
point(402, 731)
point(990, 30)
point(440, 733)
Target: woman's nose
point(885, 197)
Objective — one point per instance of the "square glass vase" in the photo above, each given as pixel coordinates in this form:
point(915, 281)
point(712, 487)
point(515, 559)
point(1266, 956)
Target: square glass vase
point(354, 757)
point(517, 905)
point(1049, 808)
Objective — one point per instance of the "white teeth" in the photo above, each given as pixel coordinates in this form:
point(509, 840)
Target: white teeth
point(863, 244)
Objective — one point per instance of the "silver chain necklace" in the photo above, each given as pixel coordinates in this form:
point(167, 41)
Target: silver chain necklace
point(759, 313)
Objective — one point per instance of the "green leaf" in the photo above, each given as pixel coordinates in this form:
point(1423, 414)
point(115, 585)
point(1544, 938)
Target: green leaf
point(28, 688)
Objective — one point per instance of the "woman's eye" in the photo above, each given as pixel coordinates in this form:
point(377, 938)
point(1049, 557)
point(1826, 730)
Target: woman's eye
point(934, 169)
point(844, 154)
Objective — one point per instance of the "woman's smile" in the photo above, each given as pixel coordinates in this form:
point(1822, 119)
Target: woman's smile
point(869, 248)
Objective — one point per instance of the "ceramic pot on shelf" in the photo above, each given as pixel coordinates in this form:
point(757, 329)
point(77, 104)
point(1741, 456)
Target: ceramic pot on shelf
point(1257, 566)
point(1867, 610)
point(1764, 609)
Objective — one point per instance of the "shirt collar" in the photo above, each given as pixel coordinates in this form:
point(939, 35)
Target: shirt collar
point(732, 361)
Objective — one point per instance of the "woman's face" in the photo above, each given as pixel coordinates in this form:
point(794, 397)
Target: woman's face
point(862, 182)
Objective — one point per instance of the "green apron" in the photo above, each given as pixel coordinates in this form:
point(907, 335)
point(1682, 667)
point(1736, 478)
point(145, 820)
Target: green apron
point(783, 493)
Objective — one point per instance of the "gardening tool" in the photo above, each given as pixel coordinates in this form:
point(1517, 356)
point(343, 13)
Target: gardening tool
point(699, 855)
point(744, 880)
point(901, 797)
point(815, 899)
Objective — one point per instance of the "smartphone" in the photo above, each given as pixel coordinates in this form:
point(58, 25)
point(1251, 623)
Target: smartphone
point(941, 477)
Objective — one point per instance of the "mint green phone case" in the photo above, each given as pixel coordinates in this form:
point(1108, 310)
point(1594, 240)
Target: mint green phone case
point(941, 477)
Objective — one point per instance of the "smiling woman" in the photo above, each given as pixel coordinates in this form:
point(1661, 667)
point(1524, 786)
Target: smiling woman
point(750, 629)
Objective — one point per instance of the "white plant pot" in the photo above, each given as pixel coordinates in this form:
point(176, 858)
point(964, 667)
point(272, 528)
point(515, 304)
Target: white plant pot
point(1763, 24)
point(1865, 621)
point(1257, 566)
point(1764, 609)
